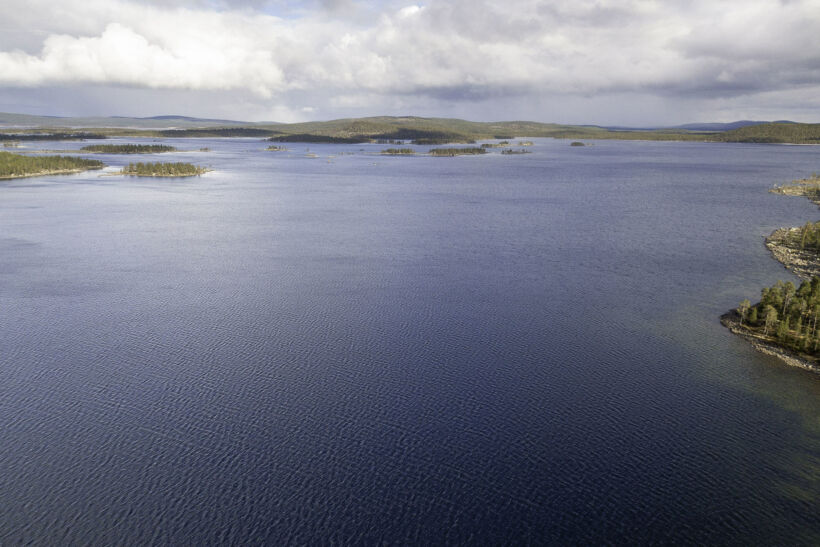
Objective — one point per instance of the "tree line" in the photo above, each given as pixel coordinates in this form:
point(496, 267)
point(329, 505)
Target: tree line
point(457, 151)
point(50, 136)
point(128, 148)
point(18, 165)
point(787, 314)
point(806, 237)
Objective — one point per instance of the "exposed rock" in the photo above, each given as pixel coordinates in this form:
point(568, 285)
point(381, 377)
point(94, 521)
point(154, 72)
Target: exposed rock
point(804, 264)
point(768, 345)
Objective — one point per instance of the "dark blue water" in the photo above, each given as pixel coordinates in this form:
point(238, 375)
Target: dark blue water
point(358, 349)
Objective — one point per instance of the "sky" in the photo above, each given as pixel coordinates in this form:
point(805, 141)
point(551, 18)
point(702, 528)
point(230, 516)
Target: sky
point(630, 62)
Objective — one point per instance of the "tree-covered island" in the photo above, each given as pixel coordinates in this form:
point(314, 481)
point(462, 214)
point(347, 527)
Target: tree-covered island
point(128, 148)
point(14, 166)
point(177, 169)
point(445, 152)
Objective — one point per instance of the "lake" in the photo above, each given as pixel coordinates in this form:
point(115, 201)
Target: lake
point(357, 349)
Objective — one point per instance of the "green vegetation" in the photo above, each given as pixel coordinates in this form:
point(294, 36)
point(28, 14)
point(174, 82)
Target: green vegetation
point(428, 136)
point(384, 129)
point(786, 315)
point(510, 151)
point(398, 152)
point(501, 144)
point(457, 151)
point(128, 148)
point(311, 138)
point(525, 143)
point(177, 169)
point(214, 132)
point(577, 143)
point(794, 133)
point(808, 187)
point(805, 238)
point(39, 135)
point(16, 165)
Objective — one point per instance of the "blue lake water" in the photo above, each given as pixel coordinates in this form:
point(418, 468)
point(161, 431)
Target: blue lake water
point(358, 349)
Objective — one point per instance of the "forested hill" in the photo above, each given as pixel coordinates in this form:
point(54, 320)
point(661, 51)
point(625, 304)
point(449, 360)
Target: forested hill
point(795, 133)
point(427, 131)
point(439, 130)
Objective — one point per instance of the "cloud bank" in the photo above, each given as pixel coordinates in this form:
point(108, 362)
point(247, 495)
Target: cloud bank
point(441, 52)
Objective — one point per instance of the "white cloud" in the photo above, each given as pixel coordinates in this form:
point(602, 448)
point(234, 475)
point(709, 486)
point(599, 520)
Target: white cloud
point(443, 50)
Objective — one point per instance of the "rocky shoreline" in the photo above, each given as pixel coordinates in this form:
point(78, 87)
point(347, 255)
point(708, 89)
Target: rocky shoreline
point(49, 173)
point(767, 345)
point(804, 264)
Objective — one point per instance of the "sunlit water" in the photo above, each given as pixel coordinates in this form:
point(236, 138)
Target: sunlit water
point(363, 349)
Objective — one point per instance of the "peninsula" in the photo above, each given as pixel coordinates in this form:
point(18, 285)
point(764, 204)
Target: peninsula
point(128, 148)
point(784, 323)
point(14, 166)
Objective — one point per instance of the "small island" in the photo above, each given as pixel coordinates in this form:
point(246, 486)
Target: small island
point(13, 166)
point(128, 148)
point(510, 151)
point(177, 169)
point(398, 152)
point(274, 148)
point(577, 143)
point(469, 151)
point(501, 144)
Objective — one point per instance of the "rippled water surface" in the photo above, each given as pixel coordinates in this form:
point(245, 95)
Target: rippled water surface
point(363, 349)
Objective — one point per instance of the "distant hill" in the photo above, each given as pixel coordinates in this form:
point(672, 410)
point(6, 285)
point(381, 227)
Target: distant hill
point(440, 130)
point(25, 121)
point(775, 132)
point(405, 128)
point(724, 126)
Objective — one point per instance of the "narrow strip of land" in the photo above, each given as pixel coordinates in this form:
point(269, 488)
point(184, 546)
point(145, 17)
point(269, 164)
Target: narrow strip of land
point(15, 166)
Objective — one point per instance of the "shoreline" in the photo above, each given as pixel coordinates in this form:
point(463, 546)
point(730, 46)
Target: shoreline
point(803, 264)
point(731, 320)
point(48, 173)
point(163, 176)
